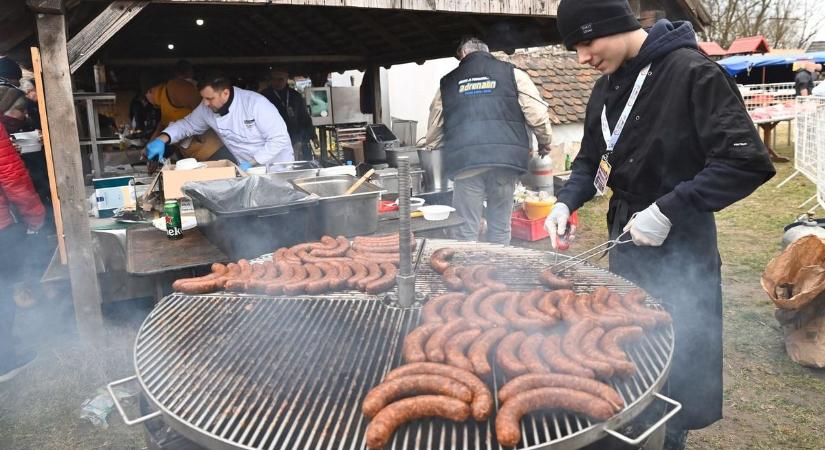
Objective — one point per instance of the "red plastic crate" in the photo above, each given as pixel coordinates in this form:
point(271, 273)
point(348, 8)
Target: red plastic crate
point(525, 229)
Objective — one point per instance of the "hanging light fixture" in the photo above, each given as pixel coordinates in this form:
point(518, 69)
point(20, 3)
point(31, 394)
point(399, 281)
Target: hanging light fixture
point(199, 22)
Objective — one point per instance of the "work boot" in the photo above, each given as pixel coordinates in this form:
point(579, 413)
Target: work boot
point(675, 439)
point(16, 364)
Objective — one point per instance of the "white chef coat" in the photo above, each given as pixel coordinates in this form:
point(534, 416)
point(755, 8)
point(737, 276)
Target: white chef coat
point(252, 129)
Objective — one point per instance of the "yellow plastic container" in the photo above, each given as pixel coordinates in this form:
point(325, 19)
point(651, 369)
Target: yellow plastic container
point(537, 209)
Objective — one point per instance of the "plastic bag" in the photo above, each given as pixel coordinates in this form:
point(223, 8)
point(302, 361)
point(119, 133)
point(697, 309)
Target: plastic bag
point(797, 276)
point(237, 194)
point(97, 409)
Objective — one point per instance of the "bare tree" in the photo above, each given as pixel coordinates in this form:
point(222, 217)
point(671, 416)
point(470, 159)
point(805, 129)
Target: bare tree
point(784, 23)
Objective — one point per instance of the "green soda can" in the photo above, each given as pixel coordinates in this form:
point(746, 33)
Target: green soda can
point(174, 228)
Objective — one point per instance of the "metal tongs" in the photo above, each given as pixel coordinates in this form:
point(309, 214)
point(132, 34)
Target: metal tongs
point(575, 260)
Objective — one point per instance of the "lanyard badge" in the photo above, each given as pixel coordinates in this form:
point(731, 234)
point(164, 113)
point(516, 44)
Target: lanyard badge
point(610, 139)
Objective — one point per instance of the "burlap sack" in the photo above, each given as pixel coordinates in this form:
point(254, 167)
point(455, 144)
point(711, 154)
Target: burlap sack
point(796, 277)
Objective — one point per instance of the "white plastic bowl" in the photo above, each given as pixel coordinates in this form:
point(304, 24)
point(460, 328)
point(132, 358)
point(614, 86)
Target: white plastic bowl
point(436, 212)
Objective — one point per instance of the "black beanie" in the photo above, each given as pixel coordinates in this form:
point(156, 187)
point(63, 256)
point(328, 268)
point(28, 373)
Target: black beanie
point(9, 69)
point(584, 20)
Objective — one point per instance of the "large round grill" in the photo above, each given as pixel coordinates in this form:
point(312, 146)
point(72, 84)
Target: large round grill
point(241, 371)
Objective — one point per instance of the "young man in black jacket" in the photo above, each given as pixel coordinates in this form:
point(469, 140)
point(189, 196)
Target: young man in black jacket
point(667, 132)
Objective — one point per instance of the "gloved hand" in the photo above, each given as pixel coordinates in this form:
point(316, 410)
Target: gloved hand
point(649, 227)
point(155, 149)
point(245, 165)
point(556, 224)
point(544, 150)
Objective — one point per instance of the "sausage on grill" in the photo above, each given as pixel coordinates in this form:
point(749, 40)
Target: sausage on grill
point(540, 380)
point(454, 350)
point(506, 357)
point(559, 362)
point(385, 282)
point(452, 278)
point(390, 391)
point(615, 303)
point(633, 301)
point(340, 247)
point(200, 285)
point(528, 307)
point(553, 281)
point(516, 320)
point(612, 341)
point(434, 348)
point(590, 347)
point(470, 307)
point(482, 405)
point(528, 353)
point(285, 273)
point(508, 419)
point(413, 347)
point(452, 310)
point(480, 350)
point(468, 278)
point(298, 286)
point(440, 259)
point(484, 276)
point(488, 308)
point(359, 272)
point(431, 311)
point(383, 425)
point(572, 347)
point(374, 273)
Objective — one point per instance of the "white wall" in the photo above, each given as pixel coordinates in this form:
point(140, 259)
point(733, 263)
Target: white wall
point(412, 87)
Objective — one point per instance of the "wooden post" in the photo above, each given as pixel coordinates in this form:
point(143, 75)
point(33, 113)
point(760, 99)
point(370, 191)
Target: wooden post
point(377, 109)
point(57, 86)
point(85, 43)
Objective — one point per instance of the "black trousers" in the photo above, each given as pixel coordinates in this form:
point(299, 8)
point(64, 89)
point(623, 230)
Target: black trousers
point(12, 242)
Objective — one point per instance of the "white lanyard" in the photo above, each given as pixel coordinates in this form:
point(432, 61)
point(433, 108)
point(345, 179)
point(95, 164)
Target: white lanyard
point(610, 139)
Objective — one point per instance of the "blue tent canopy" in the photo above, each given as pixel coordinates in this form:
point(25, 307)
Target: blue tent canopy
point(735, 65)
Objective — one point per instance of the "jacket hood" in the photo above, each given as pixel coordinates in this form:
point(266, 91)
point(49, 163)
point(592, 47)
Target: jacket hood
point(664, 37)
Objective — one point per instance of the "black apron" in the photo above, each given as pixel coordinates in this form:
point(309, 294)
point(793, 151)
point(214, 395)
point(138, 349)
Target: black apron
point(685, 272)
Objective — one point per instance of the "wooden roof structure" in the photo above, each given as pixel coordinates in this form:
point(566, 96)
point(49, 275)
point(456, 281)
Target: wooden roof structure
point(749, 45)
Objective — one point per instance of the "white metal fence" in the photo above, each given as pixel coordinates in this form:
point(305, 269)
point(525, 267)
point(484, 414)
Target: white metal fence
point(810, 134)
point(767, 98)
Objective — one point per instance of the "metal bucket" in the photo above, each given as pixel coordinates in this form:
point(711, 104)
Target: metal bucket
point(435, 172)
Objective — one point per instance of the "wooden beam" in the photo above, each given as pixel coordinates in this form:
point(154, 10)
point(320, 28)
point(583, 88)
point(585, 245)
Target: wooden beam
point(234, 60)
point(57, 86)
point(47, 6)
point(37, 68)
point(89, 40)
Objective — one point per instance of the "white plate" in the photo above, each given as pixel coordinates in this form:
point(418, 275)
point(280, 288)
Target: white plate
point(188, 223)
point(436, 212)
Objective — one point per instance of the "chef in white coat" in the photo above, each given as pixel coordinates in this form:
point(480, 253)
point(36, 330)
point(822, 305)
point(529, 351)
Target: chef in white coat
point(247, 123)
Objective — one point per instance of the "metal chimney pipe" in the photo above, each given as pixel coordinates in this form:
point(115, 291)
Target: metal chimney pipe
point(405, 277)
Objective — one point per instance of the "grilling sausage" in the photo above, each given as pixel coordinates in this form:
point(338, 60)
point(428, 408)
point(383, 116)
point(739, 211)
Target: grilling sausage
point(359, 272)
point(516, 319)
point(339, 249)
point(572, 347)
point(484, 276)
point(540, 380)
point(373, 257)
point(633, 301)
point(452, 278)
point(374, 273)
point(488, 308)
point(298, 286)
point(454, 350)
point(548, 303)
point(553, 281)
point(528, 353)
point(431, 312)
point(285, 273)
point(612, 341)
point(373, 248)
point(482, 405)
point(389, 391)
point(480, 350)
point(615, 303)
point(434, 348)
point(321, 285)
point(440, 259)
point(385, 282)
point(590, 347)
point(559, 362)
point(470, 306)
point(506, 354)
point(567, 308)
point(383, 425)
point(258, 286)
point(527, 306)
point(201, 285)
point(468, 278)
point(413, 348)
point(508, 419)
point(452, 310)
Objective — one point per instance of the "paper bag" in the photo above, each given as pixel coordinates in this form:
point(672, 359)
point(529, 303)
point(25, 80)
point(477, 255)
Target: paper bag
point(796, 277)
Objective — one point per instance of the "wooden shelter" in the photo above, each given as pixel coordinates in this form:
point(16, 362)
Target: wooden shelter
point(306, 35)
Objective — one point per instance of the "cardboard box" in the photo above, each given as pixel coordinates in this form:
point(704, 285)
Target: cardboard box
point(113, 193)
point(214, 170)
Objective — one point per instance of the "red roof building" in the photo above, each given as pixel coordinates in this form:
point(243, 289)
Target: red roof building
point(712, 49)
point(749, 46)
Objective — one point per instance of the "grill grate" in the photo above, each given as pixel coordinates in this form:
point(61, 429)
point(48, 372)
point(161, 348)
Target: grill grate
point(242, 371)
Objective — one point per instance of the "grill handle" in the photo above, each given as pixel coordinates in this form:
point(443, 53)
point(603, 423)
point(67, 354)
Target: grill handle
point(635, 442)
point(120, 408)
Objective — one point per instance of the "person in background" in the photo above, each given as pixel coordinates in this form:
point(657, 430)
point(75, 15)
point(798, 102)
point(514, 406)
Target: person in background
point(293, 110)
point(32, 110)
point(806, 74)
point(183, 70)
point(480, 117)
point(175, 99)
point(35, 161)
point(12, 98)
point(16, 191)
point(667, 131)
point(247, 123)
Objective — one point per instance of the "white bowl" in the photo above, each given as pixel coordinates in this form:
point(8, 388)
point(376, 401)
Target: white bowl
point(189, 164)
point(416, 203)
point(436, 212)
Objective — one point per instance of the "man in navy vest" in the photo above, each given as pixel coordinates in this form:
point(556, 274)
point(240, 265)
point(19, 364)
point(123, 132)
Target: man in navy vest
point(480, 117)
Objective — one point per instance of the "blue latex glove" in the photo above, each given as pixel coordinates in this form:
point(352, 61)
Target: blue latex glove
point(245, 165)
point(155, 149)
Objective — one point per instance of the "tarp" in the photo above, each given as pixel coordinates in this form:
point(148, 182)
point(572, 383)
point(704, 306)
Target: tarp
point(735, 65)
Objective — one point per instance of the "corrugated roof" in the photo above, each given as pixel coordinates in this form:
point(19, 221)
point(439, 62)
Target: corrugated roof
point(712, 49)
point(748, 45)
point(563, 83)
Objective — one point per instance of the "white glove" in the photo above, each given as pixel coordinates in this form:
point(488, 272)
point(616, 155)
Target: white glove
point(649, 227)
point(556, 223)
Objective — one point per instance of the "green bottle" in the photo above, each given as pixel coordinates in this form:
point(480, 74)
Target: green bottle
point(567, 162)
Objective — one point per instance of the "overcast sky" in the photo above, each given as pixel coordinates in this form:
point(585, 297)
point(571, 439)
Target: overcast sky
point(820, 36)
